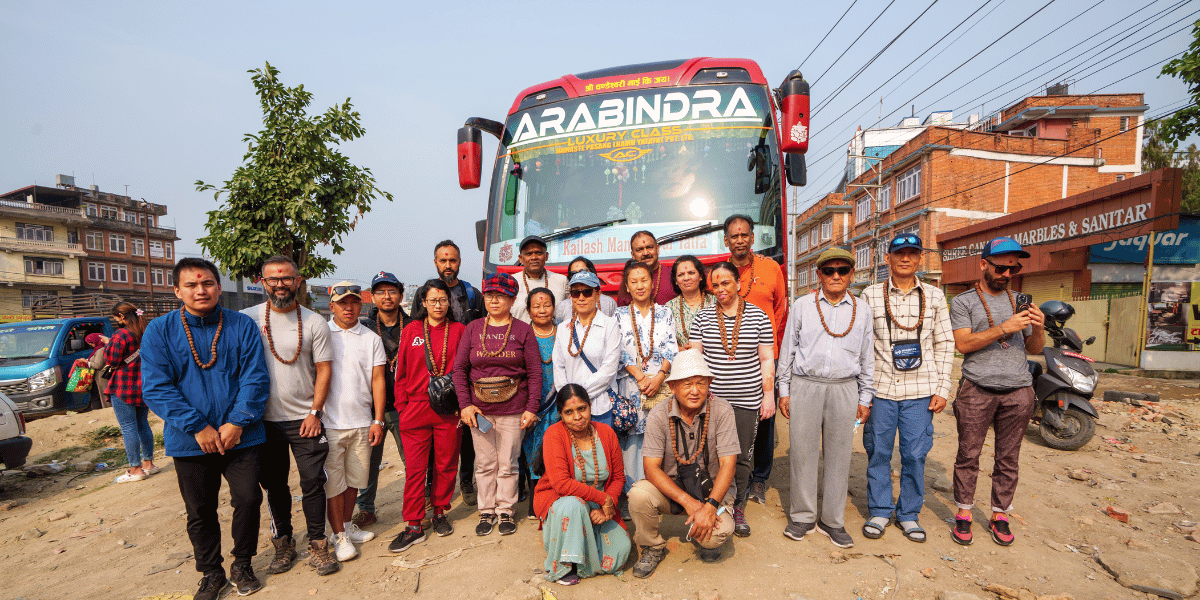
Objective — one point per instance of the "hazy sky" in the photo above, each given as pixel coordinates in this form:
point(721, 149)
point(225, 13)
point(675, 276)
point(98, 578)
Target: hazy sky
point(156, 95)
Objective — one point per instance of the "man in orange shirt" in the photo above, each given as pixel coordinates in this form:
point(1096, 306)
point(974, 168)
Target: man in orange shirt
point(763, 285)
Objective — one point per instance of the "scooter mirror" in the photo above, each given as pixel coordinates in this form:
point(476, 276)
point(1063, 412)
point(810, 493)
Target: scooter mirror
point(1090, 341)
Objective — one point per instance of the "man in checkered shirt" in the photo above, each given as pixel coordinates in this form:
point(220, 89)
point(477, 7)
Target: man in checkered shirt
point(912, 382)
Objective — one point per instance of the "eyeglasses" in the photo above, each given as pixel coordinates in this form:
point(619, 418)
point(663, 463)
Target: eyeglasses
point(278, 281)
point(438, 302)
point(338, 290)
point(585, 292)
point(829, 271)
point(1002, 269)
point(386, 291)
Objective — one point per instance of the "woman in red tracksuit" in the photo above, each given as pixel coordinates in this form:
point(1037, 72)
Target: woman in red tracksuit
point(421, 429)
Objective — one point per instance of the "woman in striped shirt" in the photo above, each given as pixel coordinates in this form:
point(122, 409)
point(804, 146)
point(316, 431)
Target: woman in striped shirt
point(739, 348)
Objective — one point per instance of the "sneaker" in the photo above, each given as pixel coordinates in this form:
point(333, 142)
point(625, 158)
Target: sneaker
point(1000, 532)
point(648, 562)
point(486, 522)
point(740, 527)
point(285, 555)
point(320, 559)
point(507, 525)
point(364, 519)
point(571, 578)
point(837, 535)
point(243, 580)
point(709, 555)
point(797, 531)
point(211, 586)
point(441, 525)
point(357, 535)
point(962, 531)
point(343, 548)
point(412, 535)
point(758, 492)
point(468, 493)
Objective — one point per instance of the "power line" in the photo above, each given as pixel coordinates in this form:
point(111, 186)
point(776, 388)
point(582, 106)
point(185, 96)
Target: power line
point(828, 32)
point(864, 32)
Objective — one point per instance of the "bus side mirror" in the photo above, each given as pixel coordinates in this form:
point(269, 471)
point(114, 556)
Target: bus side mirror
point(794, 111)
point(481, 234)
point(470, 157)
point(797, 169)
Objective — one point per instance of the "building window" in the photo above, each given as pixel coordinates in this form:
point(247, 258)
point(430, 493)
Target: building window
point(120, 273)
point(116, 243)
point(131, 217)
point(812, 238)
point(91, 209)
point(37, 233)
point(151, 219)
point(909, 184)
point(139, 275)
point(885, 197)
point(170, 248)
point(43, 266)
point(96, 271)
point(1120, 178)
point(804, 242)
point(28, 296)
point(156, 276)
point(95, 240)
point(862, 255)
point(156, 249)
point(108, 212)
point(170, 278)
point(862, 209)
point(827, 229)
point(1124, 123)
point(137, 247)
point(812, 275)
point(802, 277)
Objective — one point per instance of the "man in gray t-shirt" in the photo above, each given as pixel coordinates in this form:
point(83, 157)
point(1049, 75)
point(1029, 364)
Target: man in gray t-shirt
point(995, 390)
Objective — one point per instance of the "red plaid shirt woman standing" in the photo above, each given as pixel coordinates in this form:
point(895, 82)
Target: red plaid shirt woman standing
point(125, 390)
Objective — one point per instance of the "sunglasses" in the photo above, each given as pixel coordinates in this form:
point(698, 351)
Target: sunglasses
point(908, 239)
point(585, 292)
point(829, 271)
point(1002, 269)
point(338, 290)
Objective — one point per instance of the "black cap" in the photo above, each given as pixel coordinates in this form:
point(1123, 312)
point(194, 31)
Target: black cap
point(532, 239)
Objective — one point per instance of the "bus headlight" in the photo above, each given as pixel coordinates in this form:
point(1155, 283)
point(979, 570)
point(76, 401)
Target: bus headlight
point(44, 379)
point(699, 207)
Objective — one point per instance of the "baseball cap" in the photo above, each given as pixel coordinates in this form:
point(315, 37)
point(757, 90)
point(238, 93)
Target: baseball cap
point(532, 239)
point(343, 289)
point(905, 240)
point(835, 254)
point(385, 277)
point(500, 282)
point(1003, 245)
point(587, 278)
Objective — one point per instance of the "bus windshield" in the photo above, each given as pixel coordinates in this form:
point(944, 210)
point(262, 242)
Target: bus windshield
point(31, 341)
point(663, 159)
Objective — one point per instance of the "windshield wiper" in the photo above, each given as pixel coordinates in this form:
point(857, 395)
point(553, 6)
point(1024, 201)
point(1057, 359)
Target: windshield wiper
point(689, 233)
point(574, 230)
point(20, 357)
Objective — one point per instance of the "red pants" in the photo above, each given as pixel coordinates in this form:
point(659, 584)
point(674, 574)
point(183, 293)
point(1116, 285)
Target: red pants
point(422, 430)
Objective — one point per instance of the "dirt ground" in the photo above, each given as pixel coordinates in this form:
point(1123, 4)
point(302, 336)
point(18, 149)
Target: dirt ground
point(80, 532)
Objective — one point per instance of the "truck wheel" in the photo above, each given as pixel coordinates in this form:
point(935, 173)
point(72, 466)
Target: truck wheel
point(1077, 430)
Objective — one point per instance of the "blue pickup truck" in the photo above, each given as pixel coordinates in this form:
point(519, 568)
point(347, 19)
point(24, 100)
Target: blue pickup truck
point(36, 359)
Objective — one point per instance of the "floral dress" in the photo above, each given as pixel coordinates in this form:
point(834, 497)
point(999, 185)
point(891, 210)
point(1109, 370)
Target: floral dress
point(570, 537)
point(684, 315)
point(662, 348)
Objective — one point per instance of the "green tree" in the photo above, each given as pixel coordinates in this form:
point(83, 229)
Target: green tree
point(294, 191)
point(1186, 122)
point(1158, 152)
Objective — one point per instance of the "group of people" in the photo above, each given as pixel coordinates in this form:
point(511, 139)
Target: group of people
point(660, 402)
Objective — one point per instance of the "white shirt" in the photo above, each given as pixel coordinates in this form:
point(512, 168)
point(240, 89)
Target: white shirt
point(555, 282)
point(356, 353)
point(603, 350)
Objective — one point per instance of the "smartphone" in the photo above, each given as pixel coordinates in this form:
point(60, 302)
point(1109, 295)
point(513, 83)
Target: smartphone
point(483, 423)
point(1023, 302)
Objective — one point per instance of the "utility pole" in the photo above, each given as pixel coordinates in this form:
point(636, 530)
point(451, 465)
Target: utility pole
point(874, 207)
point(149, 279)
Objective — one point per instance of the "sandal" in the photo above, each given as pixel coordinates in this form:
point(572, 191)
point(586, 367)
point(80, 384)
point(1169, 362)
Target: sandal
point(127, 477)
point(874, 530)
point(914, 533)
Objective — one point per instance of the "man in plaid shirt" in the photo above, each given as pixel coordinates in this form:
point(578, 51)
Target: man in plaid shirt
point(914, 353)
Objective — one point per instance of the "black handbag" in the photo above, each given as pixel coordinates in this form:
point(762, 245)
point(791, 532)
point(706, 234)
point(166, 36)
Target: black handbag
point(442, 397)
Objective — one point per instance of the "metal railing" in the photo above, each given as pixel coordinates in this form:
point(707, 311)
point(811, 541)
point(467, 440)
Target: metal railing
point(24, 244)
point(41, 207)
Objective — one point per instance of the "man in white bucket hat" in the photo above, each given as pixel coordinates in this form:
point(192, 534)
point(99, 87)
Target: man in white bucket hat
point(689, 456)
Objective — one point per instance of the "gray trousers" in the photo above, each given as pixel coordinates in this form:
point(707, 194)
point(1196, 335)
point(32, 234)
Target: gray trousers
point(823, 413)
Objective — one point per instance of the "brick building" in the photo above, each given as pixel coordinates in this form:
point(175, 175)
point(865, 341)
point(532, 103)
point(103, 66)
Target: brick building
point(1041, 149)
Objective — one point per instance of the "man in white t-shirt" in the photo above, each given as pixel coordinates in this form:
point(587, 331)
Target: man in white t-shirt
point(300, 362)
point(534, 275)
point(353, 413)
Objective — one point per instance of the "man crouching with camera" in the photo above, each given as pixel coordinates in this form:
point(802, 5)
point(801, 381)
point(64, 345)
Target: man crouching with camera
point(689, 456)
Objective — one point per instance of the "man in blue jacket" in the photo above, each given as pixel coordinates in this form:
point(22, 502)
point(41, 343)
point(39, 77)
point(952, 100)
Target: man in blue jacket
point(204, 372)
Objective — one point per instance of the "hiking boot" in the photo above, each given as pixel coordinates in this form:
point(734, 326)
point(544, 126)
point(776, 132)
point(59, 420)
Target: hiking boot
point(758, 492)
point(962, 531)
point(507, 525)
point(243, 579)
point(285, 555)
point(468, 493)
point(709, 555)
point(837, 535)
point(357, 535)
point(321, 560)
point(797, 531)
point(211, 586)
point(412, 535)
point(486, 523)
point(648, 562)
point(1000, 532)
point(740, 527)
point(364, 519)
point(441, 525)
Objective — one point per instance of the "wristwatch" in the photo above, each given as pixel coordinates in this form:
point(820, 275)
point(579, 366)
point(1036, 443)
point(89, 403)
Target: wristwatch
point(379, 423)
point(713, 502)
point(316, 413)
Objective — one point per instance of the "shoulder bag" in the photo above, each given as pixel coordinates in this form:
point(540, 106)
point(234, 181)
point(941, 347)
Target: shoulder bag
point(442, 397)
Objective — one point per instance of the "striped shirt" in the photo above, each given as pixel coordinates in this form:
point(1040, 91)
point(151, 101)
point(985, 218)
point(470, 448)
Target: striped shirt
point(739, 380)
point(932, 378)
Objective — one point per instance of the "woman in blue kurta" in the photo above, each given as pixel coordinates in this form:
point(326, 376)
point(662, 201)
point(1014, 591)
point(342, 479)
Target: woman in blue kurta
point(540, 306)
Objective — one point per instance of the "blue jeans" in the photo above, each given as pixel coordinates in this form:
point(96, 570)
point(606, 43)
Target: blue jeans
point(914, 421)
point(135, 429)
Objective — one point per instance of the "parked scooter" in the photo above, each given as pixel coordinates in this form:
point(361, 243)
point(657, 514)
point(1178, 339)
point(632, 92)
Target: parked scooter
point(1066, 417)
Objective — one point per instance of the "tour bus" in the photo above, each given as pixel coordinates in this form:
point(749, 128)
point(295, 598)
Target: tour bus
point(670, 147)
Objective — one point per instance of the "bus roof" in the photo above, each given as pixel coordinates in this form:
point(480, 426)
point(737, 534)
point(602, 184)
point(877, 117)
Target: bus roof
point(650, 75)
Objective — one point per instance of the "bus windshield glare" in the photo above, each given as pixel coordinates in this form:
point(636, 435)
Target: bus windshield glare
point(663, 159)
